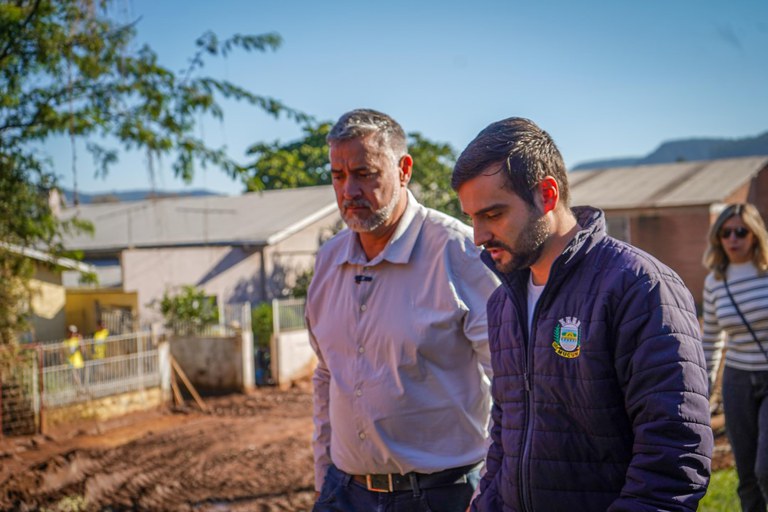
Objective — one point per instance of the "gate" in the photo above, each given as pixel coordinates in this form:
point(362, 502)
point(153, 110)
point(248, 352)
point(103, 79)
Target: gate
point(19, 394)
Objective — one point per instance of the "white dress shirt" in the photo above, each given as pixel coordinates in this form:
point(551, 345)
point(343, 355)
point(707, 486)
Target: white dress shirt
point(402, 382)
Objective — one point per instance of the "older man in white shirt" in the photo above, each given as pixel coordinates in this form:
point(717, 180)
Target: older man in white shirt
point(396, 312)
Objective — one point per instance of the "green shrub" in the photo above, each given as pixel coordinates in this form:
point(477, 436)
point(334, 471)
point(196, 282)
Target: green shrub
point(190, 311)
point(261, 324)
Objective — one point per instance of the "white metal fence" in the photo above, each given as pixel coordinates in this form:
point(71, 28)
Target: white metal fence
point(43, 375)
point(118, 364)
point(232, 319)
point(288, 314)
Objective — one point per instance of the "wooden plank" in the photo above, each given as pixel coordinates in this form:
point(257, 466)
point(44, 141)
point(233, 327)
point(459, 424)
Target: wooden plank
point(177, 398)
point(188, 384)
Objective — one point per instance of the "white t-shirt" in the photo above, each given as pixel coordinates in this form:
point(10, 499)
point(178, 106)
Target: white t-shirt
point(534, 292)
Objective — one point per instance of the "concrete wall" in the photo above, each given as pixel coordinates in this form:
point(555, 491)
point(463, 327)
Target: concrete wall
point(293, 358)
point(48, 320)
point(104, 408)
point(215, 365)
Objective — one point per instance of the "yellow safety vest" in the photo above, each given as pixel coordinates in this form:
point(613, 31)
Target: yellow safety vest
point(75, 357)
point(99, 343)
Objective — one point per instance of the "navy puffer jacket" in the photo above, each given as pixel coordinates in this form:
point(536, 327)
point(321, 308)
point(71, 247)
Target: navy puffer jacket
point(605, 407)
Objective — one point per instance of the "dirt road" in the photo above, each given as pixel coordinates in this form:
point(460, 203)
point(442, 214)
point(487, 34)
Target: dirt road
point(250, 452)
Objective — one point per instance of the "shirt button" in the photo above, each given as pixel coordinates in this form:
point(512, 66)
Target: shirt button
point(359, 392)
point(362, 435)
point(361, 349)
point(363, 307)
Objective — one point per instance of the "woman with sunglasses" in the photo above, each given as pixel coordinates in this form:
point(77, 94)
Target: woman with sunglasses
point(736, 310)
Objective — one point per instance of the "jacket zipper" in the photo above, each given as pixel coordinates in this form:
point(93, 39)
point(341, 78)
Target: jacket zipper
point(523, 469)
point(524, 465)
point(524, 483)
point(528, 346)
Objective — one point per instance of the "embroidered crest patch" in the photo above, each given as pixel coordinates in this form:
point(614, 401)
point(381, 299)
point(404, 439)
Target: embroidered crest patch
point(567, 339)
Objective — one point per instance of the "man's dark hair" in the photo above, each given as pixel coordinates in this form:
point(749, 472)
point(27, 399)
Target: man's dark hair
point(521, 150)
point(363, 122)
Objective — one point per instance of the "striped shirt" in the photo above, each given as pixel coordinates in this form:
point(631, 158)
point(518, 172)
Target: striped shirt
point(722, 322)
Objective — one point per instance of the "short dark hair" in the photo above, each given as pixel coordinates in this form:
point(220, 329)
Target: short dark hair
point(522, 151)
point(363, 122)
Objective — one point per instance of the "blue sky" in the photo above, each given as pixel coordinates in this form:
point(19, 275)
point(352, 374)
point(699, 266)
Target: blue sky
point(606, 78)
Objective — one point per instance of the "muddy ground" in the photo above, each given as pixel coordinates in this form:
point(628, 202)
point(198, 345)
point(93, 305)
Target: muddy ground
point(249, 452)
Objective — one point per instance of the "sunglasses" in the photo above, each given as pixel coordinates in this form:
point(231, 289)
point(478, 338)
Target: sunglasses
point(725, 233)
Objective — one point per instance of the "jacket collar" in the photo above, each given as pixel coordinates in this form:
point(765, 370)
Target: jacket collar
point(592, 222)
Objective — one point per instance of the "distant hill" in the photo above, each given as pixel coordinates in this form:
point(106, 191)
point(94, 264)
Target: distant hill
point(688, 150)
point(129, 195)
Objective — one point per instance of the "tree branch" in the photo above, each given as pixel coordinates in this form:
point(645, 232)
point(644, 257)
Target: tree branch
point(6, 51)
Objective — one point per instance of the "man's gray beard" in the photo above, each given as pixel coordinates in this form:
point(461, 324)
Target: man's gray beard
point(376, 220)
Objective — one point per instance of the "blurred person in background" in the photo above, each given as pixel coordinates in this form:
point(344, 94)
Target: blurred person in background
point(74, 350)
point(736, 313)
point(100, 341)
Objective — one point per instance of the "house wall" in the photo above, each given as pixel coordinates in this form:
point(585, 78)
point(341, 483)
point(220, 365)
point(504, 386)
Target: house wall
point(755, 192)
point(678, 238)
point(48, 300)
point(232, 274)
point(81, 305)
point(290, 257)
point(759, 193)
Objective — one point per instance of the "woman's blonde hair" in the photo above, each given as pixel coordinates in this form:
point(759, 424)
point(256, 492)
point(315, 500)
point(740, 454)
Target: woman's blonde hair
point(715, 258)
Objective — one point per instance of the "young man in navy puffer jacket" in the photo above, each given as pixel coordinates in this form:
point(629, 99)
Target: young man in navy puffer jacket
point(600, 389)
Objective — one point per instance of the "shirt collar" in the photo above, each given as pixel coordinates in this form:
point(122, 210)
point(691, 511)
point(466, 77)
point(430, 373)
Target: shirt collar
point(399, 247)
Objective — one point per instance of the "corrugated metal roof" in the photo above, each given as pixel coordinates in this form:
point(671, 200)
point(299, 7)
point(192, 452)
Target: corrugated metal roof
point(257, 218)
point(663, 185)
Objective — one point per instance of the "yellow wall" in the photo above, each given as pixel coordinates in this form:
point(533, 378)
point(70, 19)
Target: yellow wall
point(81, 305)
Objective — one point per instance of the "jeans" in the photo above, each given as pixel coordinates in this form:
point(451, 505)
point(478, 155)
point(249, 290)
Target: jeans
point(746, 423)
point(342, 494)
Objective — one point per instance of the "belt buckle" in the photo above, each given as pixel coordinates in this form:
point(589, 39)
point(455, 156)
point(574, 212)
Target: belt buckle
point(379, 483)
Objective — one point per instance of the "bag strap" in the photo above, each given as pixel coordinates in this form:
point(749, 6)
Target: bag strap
point(749, 327)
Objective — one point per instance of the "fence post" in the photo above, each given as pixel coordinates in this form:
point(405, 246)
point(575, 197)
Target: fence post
point(274, 342)
point(246, 336)
point(164, 366)
point(140, 357)
point(41, 386)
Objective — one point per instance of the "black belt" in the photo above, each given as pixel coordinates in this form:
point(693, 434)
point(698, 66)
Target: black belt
point(396, 482)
